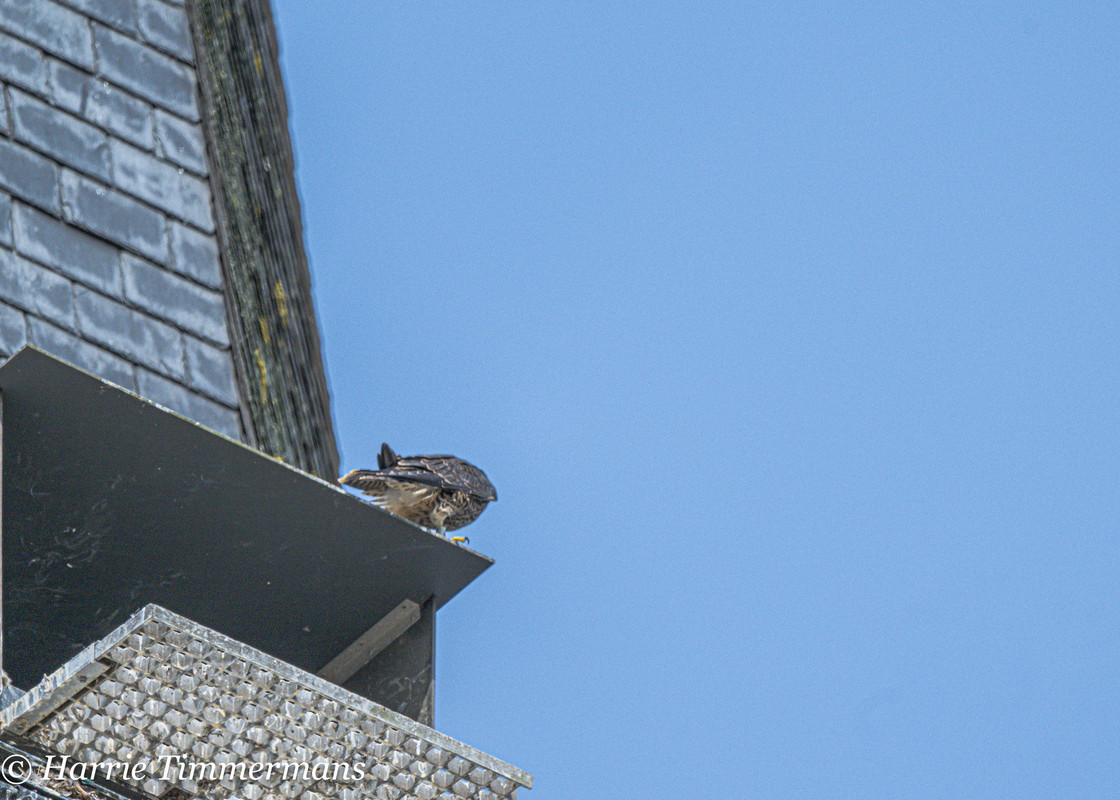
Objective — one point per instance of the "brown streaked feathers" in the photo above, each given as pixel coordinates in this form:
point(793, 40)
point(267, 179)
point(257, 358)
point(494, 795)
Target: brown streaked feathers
point(438, 492)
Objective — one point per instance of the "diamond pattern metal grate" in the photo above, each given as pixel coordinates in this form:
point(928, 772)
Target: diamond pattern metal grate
point(162, 686)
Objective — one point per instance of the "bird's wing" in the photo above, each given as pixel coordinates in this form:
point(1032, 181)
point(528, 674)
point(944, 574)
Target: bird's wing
point(444, 472)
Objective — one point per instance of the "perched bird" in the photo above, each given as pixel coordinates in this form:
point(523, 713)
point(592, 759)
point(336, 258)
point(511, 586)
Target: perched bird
point(439, 492)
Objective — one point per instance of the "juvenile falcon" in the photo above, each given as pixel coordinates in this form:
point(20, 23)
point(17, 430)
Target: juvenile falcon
point(443, 493)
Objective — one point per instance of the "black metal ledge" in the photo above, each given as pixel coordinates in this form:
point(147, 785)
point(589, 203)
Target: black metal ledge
point(111, 502)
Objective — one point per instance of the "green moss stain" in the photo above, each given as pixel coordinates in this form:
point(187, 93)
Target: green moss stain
point(276, 341)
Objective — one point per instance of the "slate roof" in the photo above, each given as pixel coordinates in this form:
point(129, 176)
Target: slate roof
point(150, 229)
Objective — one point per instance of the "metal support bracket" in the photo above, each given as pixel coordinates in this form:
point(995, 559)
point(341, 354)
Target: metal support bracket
point(343, 666)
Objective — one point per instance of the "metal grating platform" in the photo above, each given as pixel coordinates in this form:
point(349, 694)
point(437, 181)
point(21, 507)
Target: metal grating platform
point(177, 701)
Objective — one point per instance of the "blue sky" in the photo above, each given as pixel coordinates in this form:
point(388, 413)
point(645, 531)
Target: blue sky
point(788, 333)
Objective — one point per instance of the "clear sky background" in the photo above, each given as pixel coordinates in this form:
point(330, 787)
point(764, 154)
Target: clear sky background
point(790, 335)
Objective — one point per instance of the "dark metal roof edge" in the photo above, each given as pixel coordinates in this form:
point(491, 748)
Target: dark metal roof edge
point(256, 453)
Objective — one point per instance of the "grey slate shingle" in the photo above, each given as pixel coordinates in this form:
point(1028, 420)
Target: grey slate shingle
point(115, 216)
point(195, 254)
point(129, 332)
point(36, 289)
point(67, 138)
point(27, 174)
point(161, 184)
point(170, 297)
point(146, 71)
point(5, 219)
point(87, 356)
point(67, 249)
point(126, 116)
point(102, 104)
point(177, 398)
point(118, 13)
point(22, 64)
point(181, 141)
point(210, 370)
point(166, 27)
point(13, 329)
point(67, 85)
point(55, 28)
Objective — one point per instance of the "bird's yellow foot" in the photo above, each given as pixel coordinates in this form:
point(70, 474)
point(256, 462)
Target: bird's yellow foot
point(460, 540)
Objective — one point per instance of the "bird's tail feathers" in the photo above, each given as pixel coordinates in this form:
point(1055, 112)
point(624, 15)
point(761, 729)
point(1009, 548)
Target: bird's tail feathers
point(386, 458)
point(359, 478)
